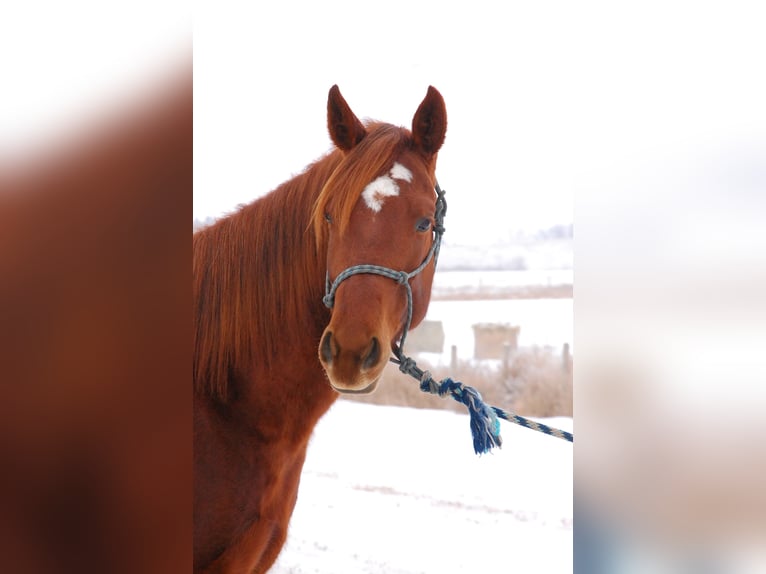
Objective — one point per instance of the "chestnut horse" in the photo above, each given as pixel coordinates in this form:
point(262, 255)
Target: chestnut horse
point(269, 357)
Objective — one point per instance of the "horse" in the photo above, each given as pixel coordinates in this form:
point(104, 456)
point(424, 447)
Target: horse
point(271, 353)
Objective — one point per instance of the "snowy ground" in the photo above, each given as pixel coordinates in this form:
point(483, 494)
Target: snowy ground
point(395, 490)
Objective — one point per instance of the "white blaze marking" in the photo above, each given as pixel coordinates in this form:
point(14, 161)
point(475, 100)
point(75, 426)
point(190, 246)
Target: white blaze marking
point(376, 192)
point(401, 172)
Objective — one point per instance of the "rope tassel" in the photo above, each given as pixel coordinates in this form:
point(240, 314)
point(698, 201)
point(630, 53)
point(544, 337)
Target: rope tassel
point(485, 426)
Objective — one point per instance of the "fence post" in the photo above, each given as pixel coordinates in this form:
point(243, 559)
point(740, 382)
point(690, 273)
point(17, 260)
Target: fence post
point(566, 358)
point(507, 350)
point(453, 358)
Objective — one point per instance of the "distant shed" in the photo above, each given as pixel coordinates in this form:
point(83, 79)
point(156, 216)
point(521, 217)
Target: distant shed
point(491, 339)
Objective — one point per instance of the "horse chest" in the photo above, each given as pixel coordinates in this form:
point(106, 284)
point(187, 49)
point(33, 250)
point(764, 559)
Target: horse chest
point(246, 486)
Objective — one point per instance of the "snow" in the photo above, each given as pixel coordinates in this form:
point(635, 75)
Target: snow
point(474, 280)
point(397, 490)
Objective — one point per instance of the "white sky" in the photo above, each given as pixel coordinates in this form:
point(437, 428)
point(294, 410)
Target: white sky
point(546, 101)
point(541, 97)
point(262, 77)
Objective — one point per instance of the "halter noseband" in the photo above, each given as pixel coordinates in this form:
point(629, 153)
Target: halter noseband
point(401, 277)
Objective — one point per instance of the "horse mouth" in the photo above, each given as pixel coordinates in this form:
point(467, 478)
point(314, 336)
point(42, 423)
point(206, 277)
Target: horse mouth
point(364, 391)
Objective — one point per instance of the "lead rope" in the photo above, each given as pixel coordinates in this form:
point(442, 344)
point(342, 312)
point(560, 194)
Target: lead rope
point(485, 426)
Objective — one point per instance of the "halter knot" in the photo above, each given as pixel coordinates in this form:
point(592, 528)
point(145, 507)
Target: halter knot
point(406, 365)
point(428, 385)
point(402, 277)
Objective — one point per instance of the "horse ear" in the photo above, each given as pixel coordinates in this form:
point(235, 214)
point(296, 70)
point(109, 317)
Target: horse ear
point(345, 128)
point(429, 124)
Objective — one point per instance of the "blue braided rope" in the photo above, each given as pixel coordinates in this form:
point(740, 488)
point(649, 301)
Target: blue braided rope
point(485, 426)
point(540, 427)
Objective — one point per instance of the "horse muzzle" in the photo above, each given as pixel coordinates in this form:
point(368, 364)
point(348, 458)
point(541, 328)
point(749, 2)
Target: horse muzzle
point(353, 365)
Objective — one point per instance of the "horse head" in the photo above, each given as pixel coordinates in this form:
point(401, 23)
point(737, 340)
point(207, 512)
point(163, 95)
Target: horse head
point(378, 216)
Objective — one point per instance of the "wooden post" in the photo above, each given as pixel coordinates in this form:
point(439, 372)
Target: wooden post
point(566, 359)
point(507, 350)
point(453, 359)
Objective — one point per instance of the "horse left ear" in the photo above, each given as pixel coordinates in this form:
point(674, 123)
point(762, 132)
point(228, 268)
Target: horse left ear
point(345, 128)
point(429, 124)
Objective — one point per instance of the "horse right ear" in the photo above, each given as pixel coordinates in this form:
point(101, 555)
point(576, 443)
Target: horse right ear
point(345, 128)
point(429, 125)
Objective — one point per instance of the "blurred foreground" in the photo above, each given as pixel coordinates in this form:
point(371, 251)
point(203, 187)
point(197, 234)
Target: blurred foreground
point(95, 404)
point(670, 385)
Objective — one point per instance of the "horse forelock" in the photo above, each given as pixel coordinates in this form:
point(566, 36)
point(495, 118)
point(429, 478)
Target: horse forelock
point(373, 156)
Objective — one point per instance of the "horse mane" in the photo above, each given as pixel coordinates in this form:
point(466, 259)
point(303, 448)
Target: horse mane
point(255, 271)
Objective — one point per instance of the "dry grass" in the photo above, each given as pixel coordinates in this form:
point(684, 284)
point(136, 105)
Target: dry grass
point(540, 384)
point(535, 383)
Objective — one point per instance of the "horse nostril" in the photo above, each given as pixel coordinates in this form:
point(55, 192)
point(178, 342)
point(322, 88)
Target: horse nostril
point(325, 349)
point(373, 356)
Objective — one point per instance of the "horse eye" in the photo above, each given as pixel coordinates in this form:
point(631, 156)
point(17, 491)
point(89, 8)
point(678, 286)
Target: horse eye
point(327, 217)
point(423, 225)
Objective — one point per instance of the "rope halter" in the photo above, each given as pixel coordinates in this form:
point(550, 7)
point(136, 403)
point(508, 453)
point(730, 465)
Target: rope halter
point(401, 277)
